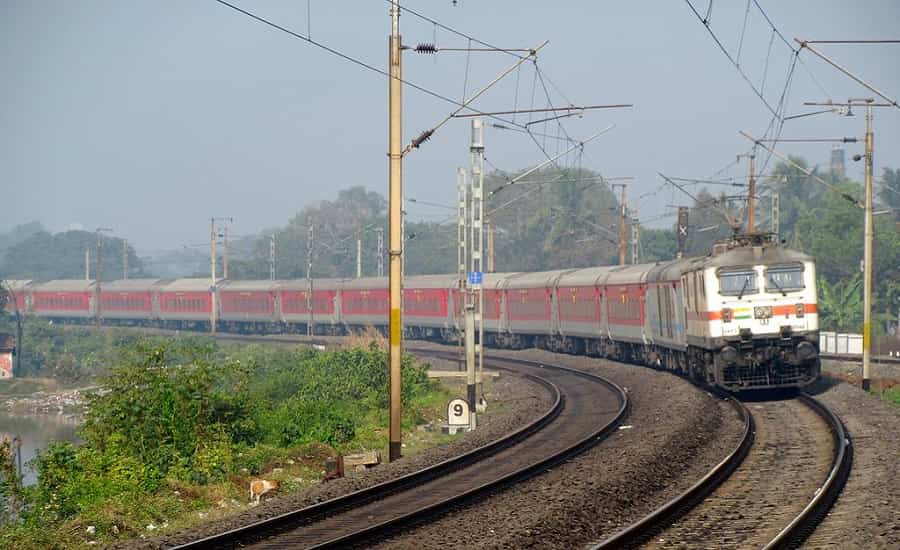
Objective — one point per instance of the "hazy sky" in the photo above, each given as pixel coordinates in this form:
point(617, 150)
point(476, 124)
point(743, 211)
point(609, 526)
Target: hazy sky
point(150, 117)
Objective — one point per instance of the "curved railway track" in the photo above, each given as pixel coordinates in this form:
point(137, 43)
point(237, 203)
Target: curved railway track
point(586, 409)
point(770, 492)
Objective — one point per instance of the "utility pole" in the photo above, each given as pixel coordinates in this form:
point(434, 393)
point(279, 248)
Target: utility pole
point(271, 257)
point(462, 295)
point(751, 191)
point(310, 236)
point(395, 326)
point(124, 259)
point(213, 238)
point(867, 251)
point(623, 221)
point(635, 237)
point(682, 235)
point(225, 251)
point(17, 358)
point(358, 253)
point(776, 214)
point(869, 230)
point(98, 271)
point(212, 276)
point(476, 247)
point(490, 245)
point(87, 264)
point(379, 232)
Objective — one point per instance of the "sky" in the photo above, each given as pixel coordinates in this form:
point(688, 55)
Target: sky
point(151, 117)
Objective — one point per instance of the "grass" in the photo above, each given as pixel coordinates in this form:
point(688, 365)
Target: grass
point(892, 395)
point(15, 387)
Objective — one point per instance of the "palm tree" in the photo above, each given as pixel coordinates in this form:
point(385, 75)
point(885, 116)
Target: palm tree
point(841, 304)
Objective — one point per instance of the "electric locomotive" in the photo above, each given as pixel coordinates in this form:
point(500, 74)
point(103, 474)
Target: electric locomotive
point(752, 315)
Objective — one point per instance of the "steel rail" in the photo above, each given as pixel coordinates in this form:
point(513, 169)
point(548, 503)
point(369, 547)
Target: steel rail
point(795, 533)
point(367, 534)
point(809, 518)
point(297, 518)
point(651, 524)
point(881, 359)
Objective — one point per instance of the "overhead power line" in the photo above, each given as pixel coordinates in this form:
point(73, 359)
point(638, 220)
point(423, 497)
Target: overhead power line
point(355, 60)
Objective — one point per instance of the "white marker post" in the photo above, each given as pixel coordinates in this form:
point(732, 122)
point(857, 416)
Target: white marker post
point(459, 416)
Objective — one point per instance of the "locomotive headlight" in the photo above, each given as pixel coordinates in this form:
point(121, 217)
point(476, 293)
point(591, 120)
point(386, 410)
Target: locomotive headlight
point(729, 354)
point(806, 350)
point(762, 312)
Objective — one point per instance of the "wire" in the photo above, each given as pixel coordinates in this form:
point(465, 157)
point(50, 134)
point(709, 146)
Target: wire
point(466, 77)
point(743, 32)
point(358, 62)
point(452, 30)
point(728, 55)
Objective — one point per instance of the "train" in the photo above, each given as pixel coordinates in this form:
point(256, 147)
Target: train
point(743, 317)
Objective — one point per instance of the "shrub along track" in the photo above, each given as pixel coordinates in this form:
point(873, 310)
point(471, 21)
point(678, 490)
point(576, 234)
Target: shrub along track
point(785, 478)
point(587, 408)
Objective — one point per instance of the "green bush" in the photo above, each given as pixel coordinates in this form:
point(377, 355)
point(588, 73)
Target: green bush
point(186, 410)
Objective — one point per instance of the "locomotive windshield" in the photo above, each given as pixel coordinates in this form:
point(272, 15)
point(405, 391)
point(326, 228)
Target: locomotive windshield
point(784, 278)
point(737, 283)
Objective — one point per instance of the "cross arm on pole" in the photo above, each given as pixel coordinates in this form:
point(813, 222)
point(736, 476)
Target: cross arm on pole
point(426, 135)
point(550, 160)
point(802, 169)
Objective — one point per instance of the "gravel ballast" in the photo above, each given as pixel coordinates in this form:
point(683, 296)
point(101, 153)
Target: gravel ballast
point(674, 434)
point(867, 513)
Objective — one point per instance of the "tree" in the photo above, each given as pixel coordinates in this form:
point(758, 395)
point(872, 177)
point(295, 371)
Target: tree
point(658, 245)
point(841, 304)
point(889, 192)
point(44, 256)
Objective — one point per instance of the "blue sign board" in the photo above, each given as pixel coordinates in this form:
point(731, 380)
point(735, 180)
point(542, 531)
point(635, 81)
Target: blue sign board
point(475, 277)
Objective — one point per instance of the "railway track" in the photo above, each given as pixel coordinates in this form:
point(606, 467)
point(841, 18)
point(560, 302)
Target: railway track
point(770, 492)
point(586, 409)
point(876, 359)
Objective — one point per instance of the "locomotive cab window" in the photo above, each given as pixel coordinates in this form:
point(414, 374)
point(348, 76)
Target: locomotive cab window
point(737, 282)
point(784, 278)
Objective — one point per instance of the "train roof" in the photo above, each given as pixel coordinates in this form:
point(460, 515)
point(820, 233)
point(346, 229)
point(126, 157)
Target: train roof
point(184, 285)
point(129, 285)
point(628, 274)
point(303, 284)
point(536, 279)
point(65, 285)
point(249, 286)
point(587, 276)
point(755, 255)
point(431, 281)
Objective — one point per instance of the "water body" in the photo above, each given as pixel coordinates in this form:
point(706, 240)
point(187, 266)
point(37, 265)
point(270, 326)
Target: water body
point(37, 430)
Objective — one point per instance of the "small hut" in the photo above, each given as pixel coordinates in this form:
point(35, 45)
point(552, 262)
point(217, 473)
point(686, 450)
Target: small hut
point(7, 351)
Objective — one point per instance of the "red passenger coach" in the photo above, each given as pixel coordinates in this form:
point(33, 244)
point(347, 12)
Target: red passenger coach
point(247, 305)
point(241, 301)
point(529, 302)
point(292, 299)
point(425, 302)
point(130, 299)
point(427, 305)
point(365, 301)
point(624, 297)
point(64, 299)
point(184, 302)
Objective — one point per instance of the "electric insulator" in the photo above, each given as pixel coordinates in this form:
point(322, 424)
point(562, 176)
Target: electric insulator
point(425, 136)
point(426, 48)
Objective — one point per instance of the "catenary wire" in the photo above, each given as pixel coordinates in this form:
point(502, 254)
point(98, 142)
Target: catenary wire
point(358, 62)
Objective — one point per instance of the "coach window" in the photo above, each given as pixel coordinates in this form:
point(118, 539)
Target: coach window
point(784, 278)
point(739, 282)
